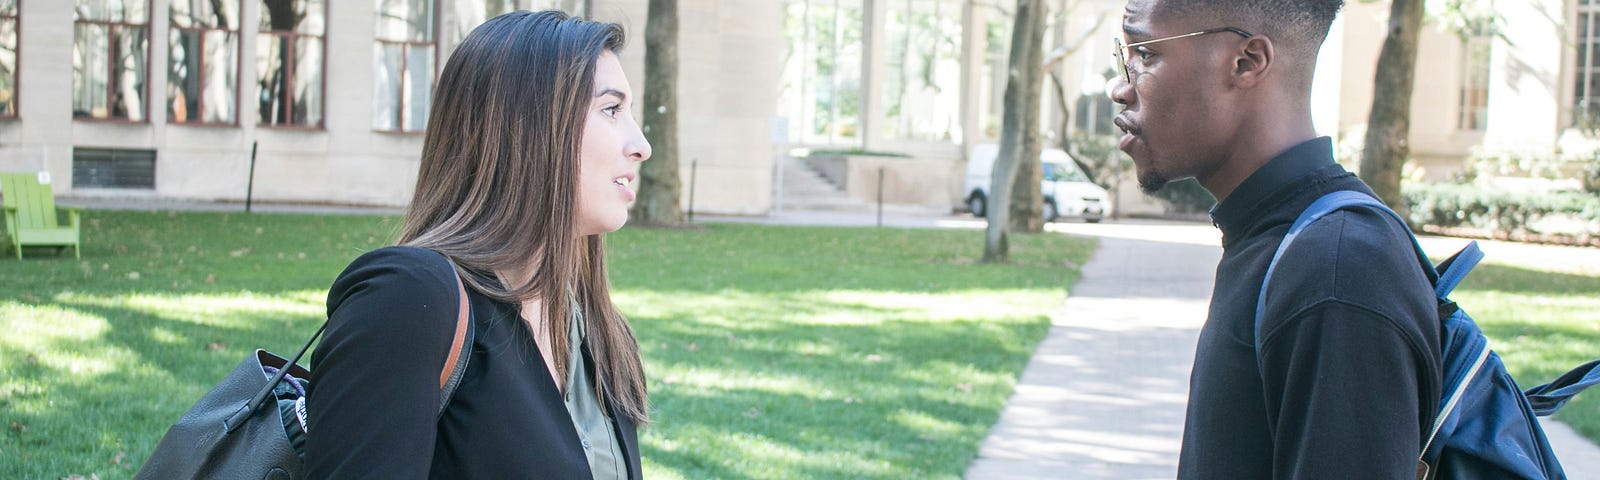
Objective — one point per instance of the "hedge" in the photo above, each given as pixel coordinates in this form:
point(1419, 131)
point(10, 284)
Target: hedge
point(1510, 213)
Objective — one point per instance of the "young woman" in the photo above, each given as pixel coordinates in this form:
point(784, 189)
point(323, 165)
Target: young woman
point(530, 156)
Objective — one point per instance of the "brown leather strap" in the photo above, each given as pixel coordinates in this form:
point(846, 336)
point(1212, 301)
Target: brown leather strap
point(459, 342)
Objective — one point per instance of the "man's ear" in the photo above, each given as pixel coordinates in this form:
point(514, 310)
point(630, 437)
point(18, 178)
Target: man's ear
point(1253, 61)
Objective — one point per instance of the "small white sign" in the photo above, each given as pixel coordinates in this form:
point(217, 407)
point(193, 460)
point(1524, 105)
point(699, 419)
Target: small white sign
point(44, 178)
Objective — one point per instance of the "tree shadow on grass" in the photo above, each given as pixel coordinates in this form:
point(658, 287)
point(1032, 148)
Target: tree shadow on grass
point(156, 367)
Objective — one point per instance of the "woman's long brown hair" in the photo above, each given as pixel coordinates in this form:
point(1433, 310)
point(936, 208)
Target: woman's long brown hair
point(497, 189)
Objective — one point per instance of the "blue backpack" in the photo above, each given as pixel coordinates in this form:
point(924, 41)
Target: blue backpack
point(1485, 428)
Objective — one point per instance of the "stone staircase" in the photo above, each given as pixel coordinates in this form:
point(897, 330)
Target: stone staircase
point(804, 188)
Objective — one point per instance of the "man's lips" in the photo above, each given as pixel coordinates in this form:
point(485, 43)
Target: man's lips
point(1125, 125)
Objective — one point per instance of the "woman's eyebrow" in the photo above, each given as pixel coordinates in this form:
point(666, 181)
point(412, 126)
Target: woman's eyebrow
point(612, 91)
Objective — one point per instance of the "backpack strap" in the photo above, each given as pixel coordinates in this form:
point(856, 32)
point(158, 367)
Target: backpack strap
point(1329, 203)
point(1546, 399)
point(455, 364)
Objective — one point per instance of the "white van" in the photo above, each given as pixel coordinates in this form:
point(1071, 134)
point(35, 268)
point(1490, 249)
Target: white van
point(1067, 191)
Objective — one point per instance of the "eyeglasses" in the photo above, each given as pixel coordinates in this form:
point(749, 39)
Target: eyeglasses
point(1122, 61)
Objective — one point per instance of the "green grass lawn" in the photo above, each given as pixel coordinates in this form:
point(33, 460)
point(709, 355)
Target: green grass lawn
point(773, 352)
point(1542, 323)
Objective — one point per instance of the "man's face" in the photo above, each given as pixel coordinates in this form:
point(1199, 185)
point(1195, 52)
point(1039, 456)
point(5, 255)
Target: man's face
point(1176, 113)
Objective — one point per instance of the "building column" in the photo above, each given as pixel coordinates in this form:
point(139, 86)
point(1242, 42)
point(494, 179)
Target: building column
point(872, 73)
point(974, 42)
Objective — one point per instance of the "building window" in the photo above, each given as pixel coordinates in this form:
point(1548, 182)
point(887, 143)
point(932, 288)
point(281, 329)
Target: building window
point(1586, 94)
point(822, 80)
point(110, 53)
point(402, 62)
point(1474, 82)
point(920, 91)
point(8, 58)
point(468, 14)
point(202, 70)
point(289, 63)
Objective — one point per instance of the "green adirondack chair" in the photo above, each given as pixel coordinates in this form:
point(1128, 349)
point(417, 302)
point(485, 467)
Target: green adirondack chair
point(31, 216)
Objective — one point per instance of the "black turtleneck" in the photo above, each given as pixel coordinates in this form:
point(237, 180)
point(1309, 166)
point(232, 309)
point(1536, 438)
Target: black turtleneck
point(1350, 373)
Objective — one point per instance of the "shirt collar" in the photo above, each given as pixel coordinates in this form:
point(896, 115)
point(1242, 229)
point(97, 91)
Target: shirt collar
point(1239, 210)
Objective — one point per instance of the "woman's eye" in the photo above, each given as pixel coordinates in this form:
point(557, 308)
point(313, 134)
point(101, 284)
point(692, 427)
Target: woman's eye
point(612, 111)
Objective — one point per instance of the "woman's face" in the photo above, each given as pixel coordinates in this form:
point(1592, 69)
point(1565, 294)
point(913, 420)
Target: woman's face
point(613, 147)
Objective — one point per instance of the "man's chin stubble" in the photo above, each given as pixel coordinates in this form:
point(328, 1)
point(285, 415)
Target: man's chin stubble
point(1151, 182)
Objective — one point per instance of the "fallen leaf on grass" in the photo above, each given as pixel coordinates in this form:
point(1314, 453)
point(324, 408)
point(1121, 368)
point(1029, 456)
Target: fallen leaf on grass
point(239, 252)
point(30, 298)
point(117, 460)
point(18, 427)
point(215, 346)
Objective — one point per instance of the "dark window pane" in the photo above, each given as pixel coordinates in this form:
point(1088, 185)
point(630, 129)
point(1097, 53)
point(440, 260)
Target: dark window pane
point(128, 70)
point(8, 67)
point(471, 13)
point(303, 16)
point(272, 58)
point(121, 11)
point(89, 67)
point(419, 86)
point(308, 81)
point(183, 76)
point(220, 76)
point(386, 85)
point(405, 20)
point(312, 20)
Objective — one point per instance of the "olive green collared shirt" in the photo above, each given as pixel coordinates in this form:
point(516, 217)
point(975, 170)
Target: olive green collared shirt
point(595, 432)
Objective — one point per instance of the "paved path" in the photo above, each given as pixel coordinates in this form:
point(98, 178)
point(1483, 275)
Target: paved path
point(1104, 395)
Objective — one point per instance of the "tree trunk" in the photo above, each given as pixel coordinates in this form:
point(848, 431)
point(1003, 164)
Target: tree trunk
point(1389, 125)
point(659, 186)
point(1017, 164)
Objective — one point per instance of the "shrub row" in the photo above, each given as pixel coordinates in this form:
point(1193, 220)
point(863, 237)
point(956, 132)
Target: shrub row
point(1506, 212)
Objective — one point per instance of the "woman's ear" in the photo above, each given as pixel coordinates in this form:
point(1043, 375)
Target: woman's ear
point(1253, 61)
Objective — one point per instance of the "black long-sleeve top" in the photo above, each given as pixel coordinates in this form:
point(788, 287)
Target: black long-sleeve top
point(1350, 373)
point(373, 403)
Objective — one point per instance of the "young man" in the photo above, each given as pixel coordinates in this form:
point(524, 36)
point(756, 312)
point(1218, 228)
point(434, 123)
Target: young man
point(1348, 377)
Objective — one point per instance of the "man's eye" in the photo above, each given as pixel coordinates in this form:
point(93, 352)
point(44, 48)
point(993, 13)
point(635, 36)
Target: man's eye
point(1143, 53)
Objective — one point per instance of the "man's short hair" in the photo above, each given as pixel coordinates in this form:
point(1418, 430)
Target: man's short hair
point(1300, 24)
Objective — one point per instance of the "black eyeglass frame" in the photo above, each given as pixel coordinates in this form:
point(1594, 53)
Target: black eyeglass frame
point(1122, 60)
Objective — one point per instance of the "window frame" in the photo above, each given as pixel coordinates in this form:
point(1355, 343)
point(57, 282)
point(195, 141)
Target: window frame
point(16, 66)
point(149, 38)
point(322, 107)
point(238, 66)
point(405, 60)
point(1584, 70)
point(1466, 121)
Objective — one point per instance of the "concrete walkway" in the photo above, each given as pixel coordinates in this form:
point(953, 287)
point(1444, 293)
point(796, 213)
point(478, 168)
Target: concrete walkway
point(1105, 393)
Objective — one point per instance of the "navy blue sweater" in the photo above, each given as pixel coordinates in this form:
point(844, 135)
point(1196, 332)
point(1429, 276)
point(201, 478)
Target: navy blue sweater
point(1350, 377)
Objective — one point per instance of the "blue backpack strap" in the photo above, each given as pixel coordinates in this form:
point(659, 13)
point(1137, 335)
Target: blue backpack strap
point(1546, 399)
point(1454, 269)
point(1329, 203)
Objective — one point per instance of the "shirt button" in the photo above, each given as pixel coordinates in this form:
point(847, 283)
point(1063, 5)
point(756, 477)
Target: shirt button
point(586, 444)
